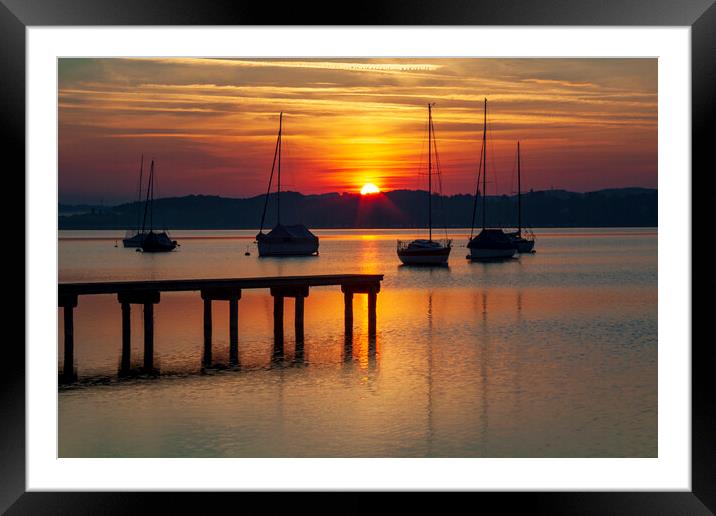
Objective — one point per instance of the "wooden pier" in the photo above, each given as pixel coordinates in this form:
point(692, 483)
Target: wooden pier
point(148, 294)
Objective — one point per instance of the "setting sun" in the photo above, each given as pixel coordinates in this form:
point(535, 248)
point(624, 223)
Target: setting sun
point(369, 188)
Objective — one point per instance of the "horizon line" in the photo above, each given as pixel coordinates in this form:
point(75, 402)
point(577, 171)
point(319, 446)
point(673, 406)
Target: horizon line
point(353, 193)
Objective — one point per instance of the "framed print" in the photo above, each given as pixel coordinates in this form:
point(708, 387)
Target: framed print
point(416, 250)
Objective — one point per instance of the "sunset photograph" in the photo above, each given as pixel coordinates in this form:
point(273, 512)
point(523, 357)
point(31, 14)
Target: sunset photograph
point(357, 257)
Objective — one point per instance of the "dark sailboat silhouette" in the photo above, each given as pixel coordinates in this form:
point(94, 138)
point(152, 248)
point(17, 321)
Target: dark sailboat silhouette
point(490, 243)
point(153, 242)
point(283, 240)
point(524, 242)
point(421, 251)
point(134, 238)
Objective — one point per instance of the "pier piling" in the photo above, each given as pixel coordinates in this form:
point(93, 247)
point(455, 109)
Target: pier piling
point(207, 333)
point(298, 320)
point(372, 301)
point(372, 290)
point(147, 298)
point(234, 331)
point(299, 293)
point(348, 313)
point(232, 295)
point(68, 304)
point(126, 363)
point(278, 324)
point(148, 338)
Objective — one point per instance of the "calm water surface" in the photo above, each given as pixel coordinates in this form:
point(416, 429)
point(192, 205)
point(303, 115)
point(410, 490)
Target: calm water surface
point(548, 355)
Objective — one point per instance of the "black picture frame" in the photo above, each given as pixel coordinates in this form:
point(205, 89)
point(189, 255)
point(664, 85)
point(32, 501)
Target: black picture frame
point(700, 15)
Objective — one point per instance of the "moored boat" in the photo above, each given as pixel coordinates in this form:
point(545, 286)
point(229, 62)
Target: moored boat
point(283, 240)
point(490, 243)
point(153, 242)
point(295, 240)
point(134, 238)
point(524, 240)
point(158, 242)
point(422, 251)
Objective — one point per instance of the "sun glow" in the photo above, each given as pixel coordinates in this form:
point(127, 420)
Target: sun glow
point(369, 188)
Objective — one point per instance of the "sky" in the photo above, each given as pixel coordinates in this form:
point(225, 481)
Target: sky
point(211, 124)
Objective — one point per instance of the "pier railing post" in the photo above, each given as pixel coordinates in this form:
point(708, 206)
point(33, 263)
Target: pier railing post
point(68, 304)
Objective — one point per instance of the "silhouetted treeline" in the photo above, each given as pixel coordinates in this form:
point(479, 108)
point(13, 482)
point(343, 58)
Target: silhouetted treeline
point(627, 207)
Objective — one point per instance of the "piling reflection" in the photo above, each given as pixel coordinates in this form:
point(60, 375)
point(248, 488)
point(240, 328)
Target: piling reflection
point(430, 426)
point(484, 379)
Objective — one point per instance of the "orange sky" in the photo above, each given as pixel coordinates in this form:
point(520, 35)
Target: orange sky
point(584, 124)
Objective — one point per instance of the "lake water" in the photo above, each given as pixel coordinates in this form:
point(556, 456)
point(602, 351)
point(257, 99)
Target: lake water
point(548, 355)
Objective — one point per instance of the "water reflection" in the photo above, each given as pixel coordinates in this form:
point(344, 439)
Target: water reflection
point(484, 366)
point(550, 355)
point(430, 430)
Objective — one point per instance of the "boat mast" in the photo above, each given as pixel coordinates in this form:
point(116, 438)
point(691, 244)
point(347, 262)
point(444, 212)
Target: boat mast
point(268, 190)
point(519, 194)
point(147, 201)
point(151, 201)
point(139, 192)
point(477, 191)
point(278, 195)
point(430, 170)
point(484, 169)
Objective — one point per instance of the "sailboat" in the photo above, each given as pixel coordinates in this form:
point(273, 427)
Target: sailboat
point(523, 242)
point(130, 239)
point(490, 243)
point(153, 242)
point(422, 251)
point(283, 240)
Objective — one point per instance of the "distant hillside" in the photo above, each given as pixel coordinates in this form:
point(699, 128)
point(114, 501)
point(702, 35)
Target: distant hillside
point(397, 209)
